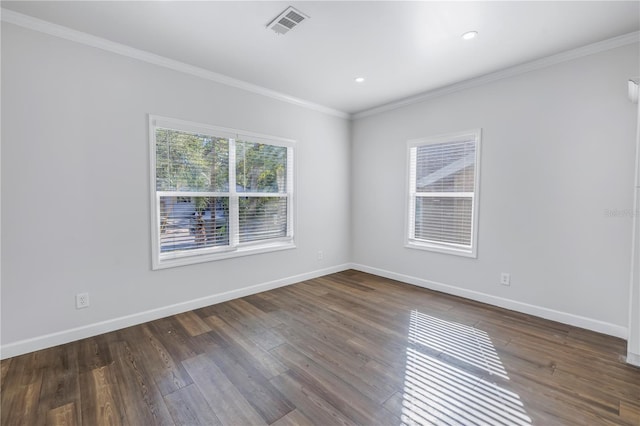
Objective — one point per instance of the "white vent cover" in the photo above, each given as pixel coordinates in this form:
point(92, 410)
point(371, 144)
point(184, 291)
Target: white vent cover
point(287, 20)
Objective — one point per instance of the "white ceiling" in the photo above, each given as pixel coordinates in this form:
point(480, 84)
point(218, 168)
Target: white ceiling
point(401, 48)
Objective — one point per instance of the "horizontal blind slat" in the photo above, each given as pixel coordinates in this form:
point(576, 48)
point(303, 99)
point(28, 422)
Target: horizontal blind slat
point(445, 167)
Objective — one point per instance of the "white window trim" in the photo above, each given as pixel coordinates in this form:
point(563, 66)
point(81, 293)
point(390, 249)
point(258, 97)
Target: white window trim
point(236, 248)
point(439, 247)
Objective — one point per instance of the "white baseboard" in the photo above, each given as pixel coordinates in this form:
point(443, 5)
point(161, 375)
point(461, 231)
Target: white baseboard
point(539, 311)
point(66, 336)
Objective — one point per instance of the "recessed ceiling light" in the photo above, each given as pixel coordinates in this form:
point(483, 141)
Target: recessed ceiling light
point(470, 35)
point(359, 79)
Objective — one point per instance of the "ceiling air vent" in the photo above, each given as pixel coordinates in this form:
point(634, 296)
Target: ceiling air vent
point(287, 20)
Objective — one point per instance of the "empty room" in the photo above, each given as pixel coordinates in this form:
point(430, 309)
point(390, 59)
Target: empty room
point(320, 213)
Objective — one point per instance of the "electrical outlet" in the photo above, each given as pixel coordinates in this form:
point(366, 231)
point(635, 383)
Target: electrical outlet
point(505, 278)
point(82, 300)
point(320, 255)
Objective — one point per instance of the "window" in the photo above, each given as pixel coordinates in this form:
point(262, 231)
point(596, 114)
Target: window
point(443, 193)
point(217, 193)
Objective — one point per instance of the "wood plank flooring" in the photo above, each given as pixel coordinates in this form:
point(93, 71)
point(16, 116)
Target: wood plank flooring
point(345, 349)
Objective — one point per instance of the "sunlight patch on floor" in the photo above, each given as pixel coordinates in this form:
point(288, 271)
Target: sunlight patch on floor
point(448, 377)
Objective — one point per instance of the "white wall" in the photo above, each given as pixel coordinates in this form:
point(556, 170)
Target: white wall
point(558, 148)
point(557, 152)
point(75, 190)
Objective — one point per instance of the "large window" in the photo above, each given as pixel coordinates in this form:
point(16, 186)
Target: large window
point(217, 193)
point(443, 193)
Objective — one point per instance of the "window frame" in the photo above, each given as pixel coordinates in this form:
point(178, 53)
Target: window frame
point(412, 194)
point(235, 247)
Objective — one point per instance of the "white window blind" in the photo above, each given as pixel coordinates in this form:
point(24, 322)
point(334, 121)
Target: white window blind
point(218, 192)
point(261, 172)
point(443, 193)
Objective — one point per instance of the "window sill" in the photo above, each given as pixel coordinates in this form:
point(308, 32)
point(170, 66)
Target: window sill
point(245, 250)
point(438, 248)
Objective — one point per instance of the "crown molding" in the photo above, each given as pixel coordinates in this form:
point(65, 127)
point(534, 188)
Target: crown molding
point(537, 64)
point(66, 33)
point(60, 31)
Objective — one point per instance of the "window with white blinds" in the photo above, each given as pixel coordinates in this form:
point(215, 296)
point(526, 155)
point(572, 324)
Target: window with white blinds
point(217, 193)
point(443, 193)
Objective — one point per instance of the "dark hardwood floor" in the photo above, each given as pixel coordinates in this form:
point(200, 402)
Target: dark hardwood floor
point(345, 349)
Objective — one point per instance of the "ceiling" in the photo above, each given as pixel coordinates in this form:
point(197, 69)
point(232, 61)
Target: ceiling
point(400, 48)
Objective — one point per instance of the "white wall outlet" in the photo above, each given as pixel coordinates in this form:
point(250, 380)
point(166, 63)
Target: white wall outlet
point(320, 255)
point(82, 300)
point(505, 278)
